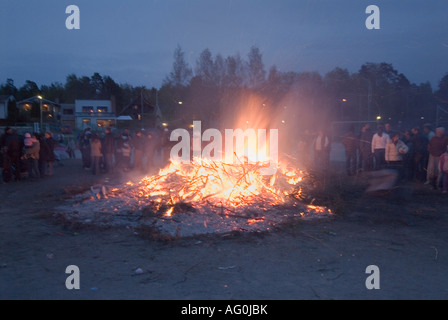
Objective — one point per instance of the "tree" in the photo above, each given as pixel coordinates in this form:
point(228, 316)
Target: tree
point(387, 90)
point(54, 92)
point(442, 92)
point(234, 72)
point(181, 73)
point(97, 83)
point(78, 88)
point(218, 71)
point(13, 112)
point(339, 91)
point(9, 89)
point(256, 70)
point(204, 67)
point(28, 90)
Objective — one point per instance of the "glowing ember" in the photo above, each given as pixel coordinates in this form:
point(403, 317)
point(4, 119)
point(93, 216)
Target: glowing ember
point(221, 185)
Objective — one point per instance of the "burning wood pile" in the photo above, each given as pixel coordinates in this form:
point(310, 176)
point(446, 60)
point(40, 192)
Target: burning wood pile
point(203, 197)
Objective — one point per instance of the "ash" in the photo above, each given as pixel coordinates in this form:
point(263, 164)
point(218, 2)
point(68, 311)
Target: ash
point(107, 207)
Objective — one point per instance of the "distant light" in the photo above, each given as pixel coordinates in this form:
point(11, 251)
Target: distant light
point(283, 121)
point(180, 102)
point(165, 124)
point(378, 118)
point(39, 97)
point(247, 122)
point(344, 100)
point(192, 126)
point(423, 118)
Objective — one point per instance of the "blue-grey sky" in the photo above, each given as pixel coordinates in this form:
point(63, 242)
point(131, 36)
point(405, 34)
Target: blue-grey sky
point(133, 41)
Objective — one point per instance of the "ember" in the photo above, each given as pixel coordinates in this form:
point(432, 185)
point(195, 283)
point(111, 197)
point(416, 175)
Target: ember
point(203, 197)
point(218, 184)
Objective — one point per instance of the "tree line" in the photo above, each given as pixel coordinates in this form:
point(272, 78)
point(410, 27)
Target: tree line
point(210, 89)
point(376, 91)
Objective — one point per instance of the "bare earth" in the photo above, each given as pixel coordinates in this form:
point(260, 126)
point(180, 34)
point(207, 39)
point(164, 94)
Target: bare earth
point(404, 233)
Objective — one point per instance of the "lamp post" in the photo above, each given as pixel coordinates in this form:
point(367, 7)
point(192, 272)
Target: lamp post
point(41, 126)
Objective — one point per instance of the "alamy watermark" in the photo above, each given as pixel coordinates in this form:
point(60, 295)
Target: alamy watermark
point(240, 146)
point(373, 280)
point(73, 280)
point(73, 21)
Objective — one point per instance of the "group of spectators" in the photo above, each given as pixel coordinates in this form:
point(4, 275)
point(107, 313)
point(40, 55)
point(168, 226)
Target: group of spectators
point(111, 153)
point(418, 155)
point(31, 155)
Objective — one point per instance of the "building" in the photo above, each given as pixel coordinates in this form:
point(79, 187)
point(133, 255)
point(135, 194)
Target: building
point(4, 106)
point(142, 113)
point(39, 110)
point(67, 116)
point(95, 114)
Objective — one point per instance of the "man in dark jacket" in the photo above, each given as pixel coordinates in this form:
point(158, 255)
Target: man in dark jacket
point(84, 146)
point(108, 150)
point(51, 156)
point(44, 155)
point(138, 144)
point(6, 163)
point(14, 146)
point(365, 148)
point(350, 142)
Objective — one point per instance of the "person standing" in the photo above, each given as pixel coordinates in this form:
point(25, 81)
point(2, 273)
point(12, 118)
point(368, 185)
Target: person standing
point(31, 154)
point(5, 160)
point(44, 155)
point(14, 146)
point(84, 146)
point(321, 148)
point(428, 132)
point(394, 154)
point(123, 152)
point(350, 142)
point(365, 148)
point(150, 148)
point(443, 168)
point(108, 150)
point(436, 147)
point(379, 142)
point(95, 151)
point(138, 144)
point(51, 157)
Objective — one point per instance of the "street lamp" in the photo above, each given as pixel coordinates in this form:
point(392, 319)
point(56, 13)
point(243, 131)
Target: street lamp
point(41, 126)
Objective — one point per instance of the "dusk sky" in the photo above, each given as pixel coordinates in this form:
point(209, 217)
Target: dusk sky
point(133, 41)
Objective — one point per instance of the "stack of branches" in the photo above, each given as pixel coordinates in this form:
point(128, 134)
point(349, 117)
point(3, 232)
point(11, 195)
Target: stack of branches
point(218, 184)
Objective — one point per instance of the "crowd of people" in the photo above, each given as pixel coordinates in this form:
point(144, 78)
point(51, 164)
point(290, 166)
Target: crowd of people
point(111, 153)
point(417, 155)
point(31, 155)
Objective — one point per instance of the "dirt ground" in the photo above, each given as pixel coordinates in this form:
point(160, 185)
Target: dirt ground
point(404, 233)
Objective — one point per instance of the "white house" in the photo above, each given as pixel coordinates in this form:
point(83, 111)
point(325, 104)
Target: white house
point(4, 103)
point(94, 114)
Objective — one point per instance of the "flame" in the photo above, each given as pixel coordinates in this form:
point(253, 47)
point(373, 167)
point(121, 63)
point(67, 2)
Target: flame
point(228, 184)
point(222, 185)
point(169, 212)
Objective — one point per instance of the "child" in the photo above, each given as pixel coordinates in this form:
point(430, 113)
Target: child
point(443, 169)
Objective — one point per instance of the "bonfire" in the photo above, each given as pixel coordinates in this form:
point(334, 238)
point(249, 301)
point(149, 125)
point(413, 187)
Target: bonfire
point(207, 194)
